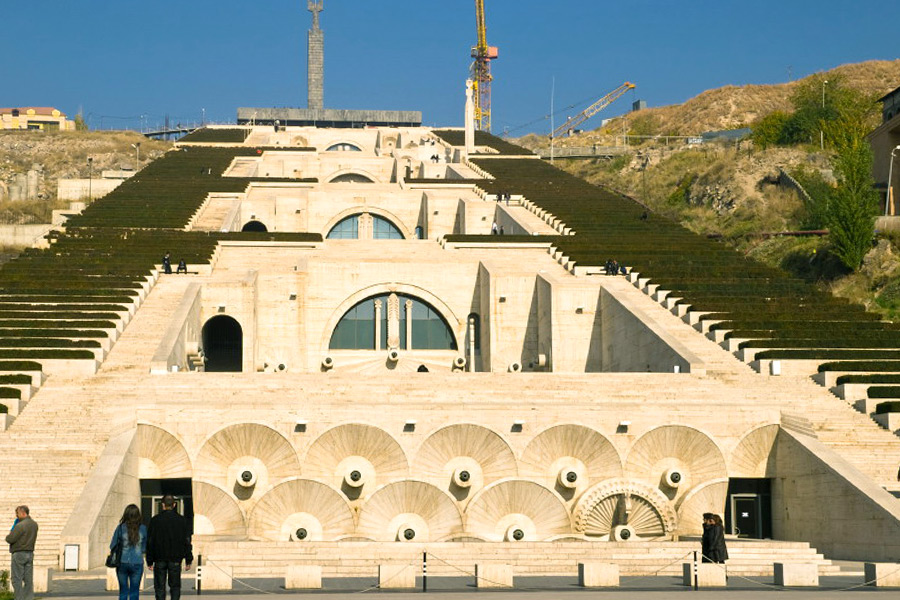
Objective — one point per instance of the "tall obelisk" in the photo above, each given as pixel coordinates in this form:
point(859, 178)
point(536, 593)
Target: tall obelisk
point(315, 68)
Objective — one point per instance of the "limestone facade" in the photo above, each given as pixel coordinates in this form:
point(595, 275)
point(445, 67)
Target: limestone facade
point(389, 389)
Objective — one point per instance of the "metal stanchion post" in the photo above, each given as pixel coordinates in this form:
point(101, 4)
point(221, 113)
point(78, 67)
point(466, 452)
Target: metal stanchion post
point(198, 578)
point(696, 583)
point(424, 572)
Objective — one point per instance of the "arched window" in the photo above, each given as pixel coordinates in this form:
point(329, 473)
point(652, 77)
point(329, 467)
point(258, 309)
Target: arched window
point(346, 229)
point(351, 178)
point(343, 147)
point(222, 344)
point(382, 229)
point(257, 226)
point(369, 325)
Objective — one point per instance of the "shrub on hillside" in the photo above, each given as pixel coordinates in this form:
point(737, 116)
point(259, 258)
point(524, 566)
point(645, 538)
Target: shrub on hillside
point(851, 211)
point(769, 131)
point(819, 193)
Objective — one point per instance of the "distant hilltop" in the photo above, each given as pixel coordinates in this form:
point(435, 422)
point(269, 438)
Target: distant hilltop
point(734, 106)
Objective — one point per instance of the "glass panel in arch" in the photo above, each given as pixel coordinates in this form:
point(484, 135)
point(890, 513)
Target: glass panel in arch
point(346, 229)
point(384, 229)
point(343, 147)
point(429, 330)
point(356, 329)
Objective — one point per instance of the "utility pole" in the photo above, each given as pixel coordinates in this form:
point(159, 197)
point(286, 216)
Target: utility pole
point(821, 131)
point(90, 179)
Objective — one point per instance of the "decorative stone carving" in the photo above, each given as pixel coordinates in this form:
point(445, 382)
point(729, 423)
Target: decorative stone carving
point(618, 502)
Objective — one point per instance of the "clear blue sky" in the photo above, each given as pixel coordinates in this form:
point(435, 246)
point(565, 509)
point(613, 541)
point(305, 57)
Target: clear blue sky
point(119, 60)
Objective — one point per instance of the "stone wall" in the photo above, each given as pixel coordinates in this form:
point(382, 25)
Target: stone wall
point(818, 497)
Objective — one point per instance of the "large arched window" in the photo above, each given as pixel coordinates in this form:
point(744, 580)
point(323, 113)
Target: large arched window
point(392, 320)
point(357, 226)
point(343, 147)
point(351, 178)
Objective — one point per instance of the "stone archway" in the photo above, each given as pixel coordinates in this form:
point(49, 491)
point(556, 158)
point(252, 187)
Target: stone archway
point(223, 344)
point(255, 226)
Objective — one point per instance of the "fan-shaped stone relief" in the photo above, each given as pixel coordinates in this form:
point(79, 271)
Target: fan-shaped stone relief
point(751, 456)
point(463, 458)
point(160, 454)
point(517, 510)
point(710, 497)
point(356, 459)
point(216, 512)
point(623, 510)
point(569, 459)
point(246, 459)
point(301, 510)
point(675, 458)
point(410, 511)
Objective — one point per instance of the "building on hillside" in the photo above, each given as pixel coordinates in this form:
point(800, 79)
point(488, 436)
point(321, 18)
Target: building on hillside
point(42, 118)
point(381, 348)
point(885, 141)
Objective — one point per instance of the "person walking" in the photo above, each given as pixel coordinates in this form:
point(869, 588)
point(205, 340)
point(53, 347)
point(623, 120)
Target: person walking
point(719, 550)
point(130, 537)
point(168, 543)
point(706, 541)
point(21, 540)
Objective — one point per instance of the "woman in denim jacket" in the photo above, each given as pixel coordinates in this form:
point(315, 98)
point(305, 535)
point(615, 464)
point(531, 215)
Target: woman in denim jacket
point(132, 536)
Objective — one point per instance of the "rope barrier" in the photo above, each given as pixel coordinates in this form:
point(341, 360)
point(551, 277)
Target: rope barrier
point(790, 589)
point(472, 574)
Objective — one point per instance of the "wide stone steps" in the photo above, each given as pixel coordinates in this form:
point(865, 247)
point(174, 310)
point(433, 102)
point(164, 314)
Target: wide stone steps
point(266, 558)
point(139, 341)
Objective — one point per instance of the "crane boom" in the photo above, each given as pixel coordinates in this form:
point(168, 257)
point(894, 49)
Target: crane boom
point(481, 70)
point(573, 122)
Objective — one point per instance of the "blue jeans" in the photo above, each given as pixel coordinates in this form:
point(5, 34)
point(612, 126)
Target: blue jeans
point(129, 580)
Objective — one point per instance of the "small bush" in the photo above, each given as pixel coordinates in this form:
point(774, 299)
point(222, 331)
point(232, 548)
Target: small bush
point(770, 130)
point(3, 409)
point(6, 392)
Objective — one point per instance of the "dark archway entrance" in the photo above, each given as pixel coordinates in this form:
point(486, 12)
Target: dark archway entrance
point(256, 226)
point(223, 344)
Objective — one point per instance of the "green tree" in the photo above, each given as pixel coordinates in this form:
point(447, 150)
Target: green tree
point(852, 209)
point(818, 197)
point(80, 124)
point(769, 131)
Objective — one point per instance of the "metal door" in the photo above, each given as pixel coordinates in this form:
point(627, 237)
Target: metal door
point(746, 515)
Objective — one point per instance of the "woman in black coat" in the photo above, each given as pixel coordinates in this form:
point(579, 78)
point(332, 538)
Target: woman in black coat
point(718, 550)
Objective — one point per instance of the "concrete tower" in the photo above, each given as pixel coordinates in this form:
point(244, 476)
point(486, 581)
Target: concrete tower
point(315, 59)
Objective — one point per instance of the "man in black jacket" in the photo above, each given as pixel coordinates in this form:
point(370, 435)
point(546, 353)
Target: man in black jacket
point(168, 543)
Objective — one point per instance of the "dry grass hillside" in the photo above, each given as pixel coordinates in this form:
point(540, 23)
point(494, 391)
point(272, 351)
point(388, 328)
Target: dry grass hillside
point(56, 155)
point(729, 107)
point(735, 106)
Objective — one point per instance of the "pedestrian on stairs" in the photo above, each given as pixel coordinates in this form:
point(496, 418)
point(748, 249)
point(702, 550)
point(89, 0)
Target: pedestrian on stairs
point(21, 545)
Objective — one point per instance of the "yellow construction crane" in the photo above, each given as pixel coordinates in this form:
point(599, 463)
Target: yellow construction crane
point(573, 122)
point(481, 71)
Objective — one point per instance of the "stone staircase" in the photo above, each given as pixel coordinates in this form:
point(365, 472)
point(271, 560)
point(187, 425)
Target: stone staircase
point(560, 558)
point(48, 454)
point(212, 215)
